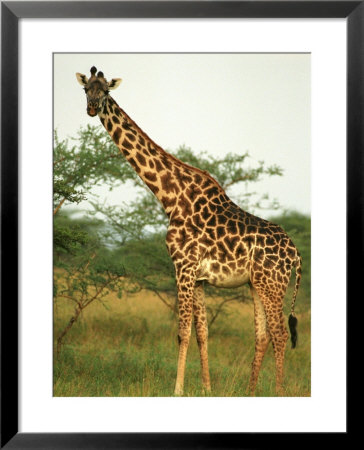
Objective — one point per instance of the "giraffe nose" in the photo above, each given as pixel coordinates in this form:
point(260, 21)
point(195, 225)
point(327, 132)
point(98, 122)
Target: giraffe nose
point(92, 108)
point(91, 111)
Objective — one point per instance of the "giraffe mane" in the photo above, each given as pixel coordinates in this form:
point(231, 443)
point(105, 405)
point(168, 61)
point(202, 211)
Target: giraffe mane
point(169, 155)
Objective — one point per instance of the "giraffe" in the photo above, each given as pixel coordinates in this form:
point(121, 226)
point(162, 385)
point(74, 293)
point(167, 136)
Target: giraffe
point(209, 239)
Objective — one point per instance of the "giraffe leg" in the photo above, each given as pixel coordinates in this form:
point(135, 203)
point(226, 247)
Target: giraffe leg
point(185, 286)
point(200, 319)
point(262, 339)
point(279, 340)
point(273, 307)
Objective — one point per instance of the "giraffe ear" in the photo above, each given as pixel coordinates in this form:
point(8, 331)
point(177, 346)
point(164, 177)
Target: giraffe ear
point(114, 83)
point(82, 79)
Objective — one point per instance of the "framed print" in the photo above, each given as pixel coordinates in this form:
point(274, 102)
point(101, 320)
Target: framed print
point(277, 82)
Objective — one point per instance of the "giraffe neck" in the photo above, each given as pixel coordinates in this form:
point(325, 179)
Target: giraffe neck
point(167, 177)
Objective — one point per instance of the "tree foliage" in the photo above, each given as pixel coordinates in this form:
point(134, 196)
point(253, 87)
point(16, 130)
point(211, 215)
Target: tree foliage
point(81, 163)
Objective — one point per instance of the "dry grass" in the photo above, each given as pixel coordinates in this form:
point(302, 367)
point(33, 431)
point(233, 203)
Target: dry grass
point(129, 348)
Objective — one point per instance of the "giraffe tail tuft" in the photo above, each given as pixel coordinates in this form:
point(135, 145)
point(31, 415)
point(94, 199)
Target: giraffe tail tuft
point(292, 323)
point(292, 319)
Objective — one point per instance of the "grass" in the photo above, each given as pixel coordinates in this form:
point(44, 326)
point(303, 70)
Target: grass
point(130, 349)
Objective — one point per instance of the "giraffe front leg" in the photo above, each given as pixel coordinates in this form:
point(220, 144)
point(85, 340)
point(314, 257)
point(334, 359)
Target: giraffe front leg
point(185, 286)
point(200, 318)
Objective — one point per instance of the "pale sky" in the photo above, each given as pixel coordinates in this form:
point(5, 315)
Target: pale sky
point(218, 103)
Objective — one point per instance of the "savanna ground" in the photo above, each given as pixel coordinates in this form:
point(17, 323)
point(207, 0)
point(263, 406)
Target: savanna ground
point(129, 348)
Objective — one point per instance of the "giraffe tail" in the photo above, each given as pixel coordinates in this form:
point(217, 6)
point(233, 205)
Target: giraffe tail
point(292, 319)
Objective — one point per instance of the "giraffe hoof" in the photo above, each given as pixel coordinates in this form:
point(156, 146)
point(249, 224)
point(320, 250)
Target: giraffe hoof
point(206, 391)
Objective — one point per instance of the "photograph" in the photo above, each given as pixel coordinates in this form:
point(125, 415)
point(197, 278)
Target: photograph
point(181, 224)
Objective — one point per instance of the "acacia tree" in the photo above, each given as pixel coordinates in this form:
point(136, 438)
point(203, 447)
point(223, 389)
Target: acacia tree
point(83, 272)
point(93, 257)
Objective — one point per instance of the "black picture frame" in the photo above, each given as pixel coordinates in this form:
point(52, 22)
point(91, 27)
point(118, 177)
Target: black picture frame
point(11, 12)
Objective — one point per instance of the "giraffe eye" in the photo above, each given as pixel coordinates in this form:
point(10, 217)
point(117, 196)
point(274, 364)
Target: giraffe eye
point(85, 89)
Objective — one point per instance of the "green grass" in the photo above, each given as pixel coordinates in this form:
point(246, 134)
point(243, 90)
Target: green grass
point(130, 349)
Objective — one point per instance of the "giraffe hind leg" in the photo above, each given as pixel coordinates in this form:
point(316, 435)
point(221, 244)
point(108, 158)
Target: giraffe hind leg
point(273, 308)
point(279, 340)
point(262, 339)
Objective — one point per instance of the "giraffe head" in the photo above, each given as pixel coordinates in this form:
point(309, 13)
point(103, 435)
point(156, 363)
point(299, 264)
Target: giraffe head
point(97, 89)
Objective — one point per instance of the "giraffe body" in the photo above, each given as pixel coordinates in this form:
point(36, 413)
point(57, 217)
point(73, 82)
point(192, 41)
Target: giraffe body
point(209, 239)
